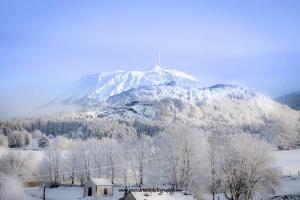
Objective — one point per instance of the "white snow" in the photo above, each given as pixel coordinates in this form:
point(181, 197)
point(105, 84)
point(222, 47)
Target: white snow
point(161, 196)
point(219, 93)
point(290, 185)
point(60, 193)
point(95, 88)
point(288, 161)
point(66, 193)
point(101, 181)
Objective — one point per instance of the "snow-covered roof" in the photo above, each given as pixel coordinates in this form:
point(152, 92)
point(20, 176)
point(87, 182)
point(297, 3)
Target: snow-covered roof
point(161, 196)
point(101, 181)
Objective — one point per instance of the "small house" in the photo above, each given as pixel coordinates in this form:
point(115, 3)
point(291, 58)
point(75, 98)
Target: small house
point(99, 187)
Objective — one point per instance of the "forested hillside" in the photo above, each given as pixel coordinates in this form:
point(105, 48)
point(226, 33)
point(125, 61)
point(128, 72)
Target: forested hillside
point(222, 111)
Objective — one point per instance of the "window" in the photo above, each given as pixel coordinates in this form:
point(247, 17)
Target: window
point(105, 191)
point(90, 191)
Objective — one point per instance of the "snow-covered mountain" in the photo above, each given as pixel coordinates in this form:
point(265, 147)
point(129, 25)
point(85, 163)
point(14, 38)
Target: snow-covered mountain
point(292, 100)
point(121, 104)
point(150, 109)
point(96, 88)
point(150, 94)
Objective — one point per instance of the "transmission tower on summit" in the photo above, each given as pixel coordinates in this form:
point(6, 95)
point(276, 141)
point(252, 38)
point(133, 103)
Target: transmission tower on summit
point(158, 58)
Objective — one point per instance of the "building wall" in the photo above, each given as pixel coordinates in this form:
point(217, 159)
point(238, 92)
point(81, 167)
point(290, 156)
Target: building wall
point(97, 190)
point(86, 188)
point(100, 190)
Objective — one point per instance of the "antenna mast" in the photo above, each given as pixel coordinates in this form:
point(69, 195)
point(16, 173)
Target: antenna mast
point(158, 58)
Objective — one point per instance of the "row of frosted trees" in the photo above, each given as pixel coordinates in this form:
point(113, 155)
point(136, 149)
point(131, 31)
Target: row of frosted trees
point(236, 165)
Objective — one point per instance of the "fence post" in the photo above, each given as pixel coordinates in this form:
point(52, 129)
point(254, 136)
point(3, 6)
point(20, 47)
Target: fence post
point(44, 194)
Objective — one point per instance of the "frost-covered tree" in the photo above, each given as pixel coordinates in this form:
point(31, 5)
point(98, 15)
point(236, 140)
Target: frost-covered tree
point(246, 168)
point(97, 151)
point(73, 160)
point(16, 139)
point(213, 176)
point(113, 154)
point(282, 132)
point(18, 163)
point(85, 160)
point(43, 141)
point(3, 141)
point(181, 151)
point(36, 134)
point(27, 139)
point(141, 153)
point(53, 165)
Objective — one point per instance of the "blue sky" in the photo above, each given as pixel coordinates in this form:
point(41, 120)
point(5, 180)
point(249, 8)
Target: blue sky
point(47, 45)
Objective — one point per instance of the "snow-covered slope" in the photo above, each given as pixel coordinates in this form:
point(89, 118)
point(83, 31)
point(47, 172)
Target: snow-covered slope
point(93, 89)
point(194, 95)
point(228, 103)
point(149, 101)
point(226, 106)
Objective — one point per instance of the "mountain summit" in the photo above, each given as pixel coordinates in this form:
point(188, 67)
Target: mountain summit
point(96, 88)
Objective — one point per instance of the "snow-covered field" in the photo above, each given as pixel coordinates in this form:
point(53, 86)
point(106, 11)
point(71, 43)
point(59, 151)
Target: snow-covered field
point(64, 193)
point(289, 164)
point(288, 161)
point(290, 185)
point(60, 193)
